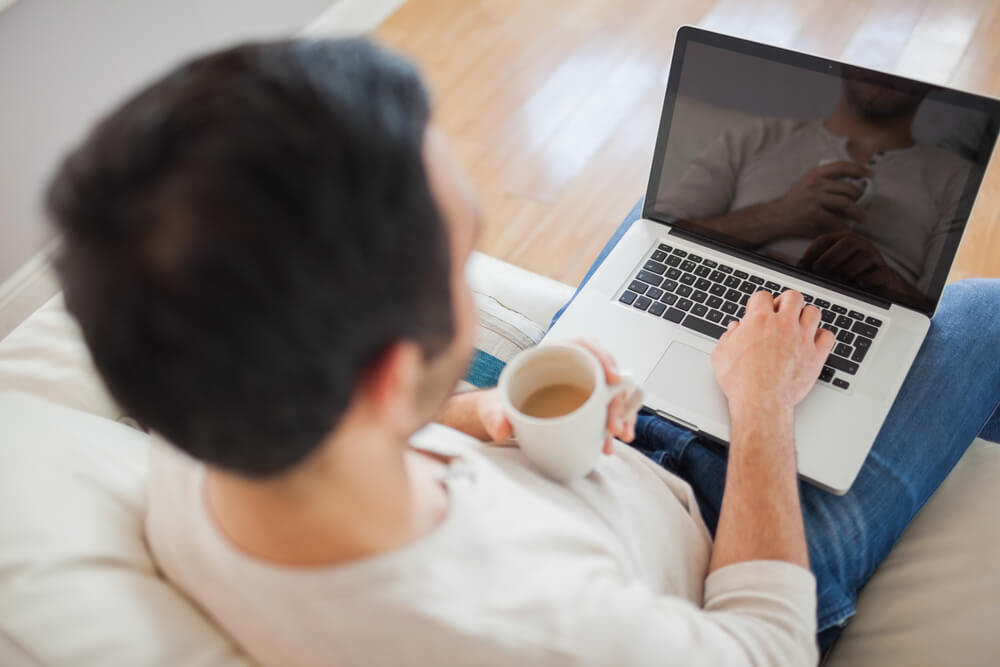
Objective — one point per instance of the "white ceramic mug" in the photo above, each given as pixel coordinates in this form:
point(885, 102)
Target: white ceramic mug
point(569, 446)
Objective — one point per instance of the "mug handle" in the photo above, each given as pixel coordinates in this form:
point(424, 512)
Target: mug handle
point(634, 394)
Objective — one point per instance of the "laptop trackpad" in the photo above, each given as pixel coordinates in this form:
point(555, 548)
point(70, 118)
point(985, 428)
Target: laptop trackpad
point(684, 377)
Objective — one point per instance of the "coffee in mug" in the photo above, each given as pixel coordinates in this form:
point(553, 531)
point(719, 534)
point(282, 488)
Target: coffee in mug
point(555, 400)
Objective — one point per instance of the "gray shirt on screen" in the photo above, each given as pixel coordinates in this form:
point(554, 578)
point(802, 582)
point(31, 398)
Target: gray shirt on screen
point(916, 196)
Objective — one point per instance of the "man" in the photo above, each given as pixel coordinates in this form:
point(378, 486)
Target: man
point(853, 194)
point(265, 251)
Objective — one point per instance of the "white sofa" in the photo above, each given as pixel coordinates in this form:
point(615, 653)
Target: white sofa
point(78, 587)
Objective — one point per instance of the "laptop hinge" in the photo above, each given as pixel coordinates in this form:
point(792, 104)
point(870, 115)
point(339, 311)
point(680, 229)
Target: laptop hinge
point(749, 256)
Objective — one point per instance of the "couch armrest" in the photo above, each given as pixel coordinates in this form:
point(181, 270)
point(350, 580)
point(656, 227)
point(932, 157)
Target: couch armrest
point(534, 296)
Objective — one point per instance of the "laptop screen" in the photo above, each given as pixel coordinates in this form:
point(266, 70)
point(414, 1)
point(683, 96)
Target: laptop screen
point(863, 179)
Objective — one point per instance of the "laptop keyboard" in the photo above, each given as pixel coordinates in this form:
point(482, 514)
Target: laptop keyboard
point(705, 295)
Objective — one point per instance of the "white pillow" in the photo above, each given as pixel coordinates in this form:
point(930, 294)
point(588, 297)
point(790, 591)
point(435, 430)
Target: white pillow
point(45, 356)
point(77, 583)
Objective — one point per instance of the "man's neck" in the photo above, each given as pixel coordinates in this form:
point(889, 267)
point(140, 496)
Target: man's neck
point(865, 136)
point(357, 496)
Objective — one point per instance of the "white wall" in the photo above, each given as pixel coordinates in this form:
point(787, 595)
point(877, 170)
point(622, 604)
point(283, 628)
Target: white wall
point(64, 62)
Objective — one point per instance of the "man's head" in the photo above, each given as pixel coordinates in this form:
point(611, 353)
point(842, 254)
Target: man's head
point(264, 240)
point(880, 97)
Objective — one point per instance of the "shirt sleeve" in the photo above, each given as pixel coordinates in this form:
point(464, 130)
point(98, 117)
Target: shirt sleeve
point(754, 613)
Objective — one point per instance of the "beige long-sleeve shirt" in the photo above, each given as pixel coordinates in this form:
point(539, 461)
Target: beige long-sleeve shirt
point(611, 570)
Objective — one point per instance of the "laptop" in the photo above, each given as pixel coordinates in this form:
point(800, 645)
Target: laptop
point(755, 185)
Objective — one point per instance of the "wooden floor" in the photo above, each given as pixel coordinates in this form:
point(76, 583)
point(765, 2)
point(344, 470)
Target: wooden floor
point(552, 105)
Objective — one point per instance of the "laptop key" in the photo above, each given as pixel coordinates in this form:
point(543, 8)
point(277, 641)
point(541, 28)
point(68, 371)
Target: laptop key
point(714, 316)
point(741, 312)
point(637, 286)
point(679, 252)
point(821, 303)
point(727, 319)
point(845, 336)
point(659, 255)
point(732, 281)
point(684, 304)
point(655, 267)
point(694, 258)
point(702, 271)
point(874, 321)
point(734, 296)
point(729, 307)
point(861, 341)
point(808, 298)
point(866, 330)
point(773, 286)
point(703, 327)
point(843, 350)
point(628, 297)
point(702, 284)
point(669, 285)
point(741, 274)
point(859, 354)
point(673, 273)
point(664, 247)
point(716, 276)
point(711, 263)
point(642, 303)
point(673, 315)
point(843, 321)
point(683, 290)
point(673, 260)
point(828, 316)
point(699, 309)
point(748, 287)
point(657, 308)
point(688, 265)
point(698, 296)
point(826, 374)
point(843, 384)
point(725, 269)
point(687, 278)
point(717, 290)
point(856, 315)
point(714, 302)
point(651, 278)
point(829, 327)
point(840, 310)
point(842, 364)
point(756, 280)
point(744, 300)
point(668, 299)
point(654, 293)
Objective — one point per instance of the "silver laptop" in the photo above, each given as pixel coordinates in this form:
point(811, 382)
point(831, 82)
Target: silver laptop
point(752, 187)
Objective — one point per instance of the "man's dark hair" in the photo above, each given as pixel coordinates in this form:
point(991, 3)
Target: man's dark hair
point(243, 238)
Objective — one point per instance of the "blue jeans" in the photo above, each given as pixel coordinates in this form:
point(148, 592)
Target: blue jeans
point(949, 397)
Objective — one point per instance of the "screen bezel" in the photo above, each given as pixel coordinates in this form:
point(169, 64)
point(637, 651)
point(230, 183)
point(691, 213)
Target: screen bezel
point(687, 34)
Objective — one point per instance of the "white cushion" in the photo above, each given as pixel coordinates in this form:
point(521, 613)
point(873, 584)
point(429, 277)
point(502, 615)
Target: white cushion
point(45, 356)
point(936, 599)
point(77, 583)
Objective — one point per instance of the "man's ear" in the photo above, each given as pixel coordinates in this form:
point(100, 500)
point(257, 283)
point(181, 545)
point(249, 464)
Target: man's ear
point(388, 391)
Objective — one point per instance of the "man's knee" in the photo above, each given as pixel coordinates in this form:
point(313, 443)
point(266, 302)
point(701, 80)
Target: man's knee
point(974, 303)
point(974, 293)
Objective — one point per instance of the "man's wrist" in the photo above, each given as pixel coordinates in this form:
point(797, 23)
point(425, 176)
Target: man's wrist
point(763, 416)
